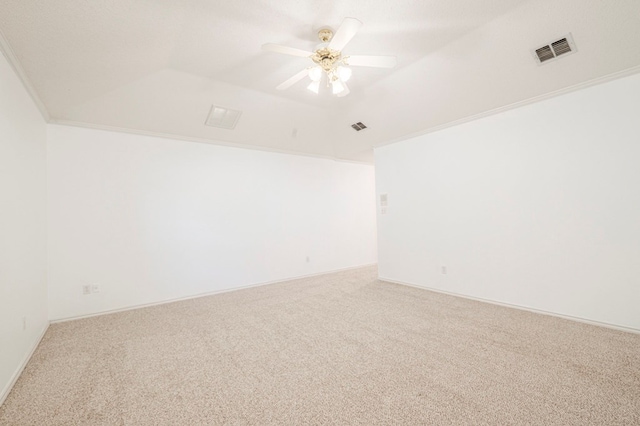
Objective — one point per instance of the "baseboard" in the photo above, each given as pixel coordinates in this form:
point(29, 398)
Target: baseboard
point(210, 293)
point(520, 307)
point(23, 364)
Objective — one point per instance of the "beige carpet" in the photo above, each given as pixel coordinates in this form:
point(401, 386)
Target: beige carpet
point(338, 349)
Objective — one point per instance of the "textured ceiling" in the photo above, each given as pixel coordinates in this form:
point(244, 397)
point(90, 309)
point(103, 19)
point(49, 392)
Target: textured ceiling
point(156, 66)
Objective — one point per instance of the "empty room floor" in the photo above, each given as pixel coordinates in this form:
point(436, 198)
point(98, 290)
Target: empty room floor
point(342, 348)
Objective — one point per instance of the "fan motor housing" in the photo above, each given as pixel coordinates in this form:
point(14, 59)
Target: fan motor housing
point(326, 58)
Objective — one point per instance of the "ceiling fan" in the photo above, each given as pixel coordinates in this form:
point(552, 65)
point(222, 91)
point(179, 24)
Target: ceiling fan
point(329, 60)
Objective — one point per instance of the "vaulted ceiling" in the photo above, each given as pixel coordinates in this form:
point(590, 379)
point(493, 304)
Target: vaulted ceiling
point(157, 66)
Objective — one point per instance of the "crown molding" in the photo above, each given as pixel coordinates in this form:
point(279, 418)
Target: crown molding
point(8, 53)
point(593, 82)
point(182, 138)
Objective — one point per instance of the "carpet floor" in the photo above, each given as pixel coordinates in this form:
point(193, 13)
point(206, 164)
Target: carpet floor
point(343, 348)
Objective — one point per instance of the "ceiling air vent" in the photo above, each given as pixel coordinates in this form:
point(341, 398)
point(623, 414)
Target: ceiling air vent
point(553, 50)
point(222, 117)
point(358, 126)
point(561, 47)
point(545, 53)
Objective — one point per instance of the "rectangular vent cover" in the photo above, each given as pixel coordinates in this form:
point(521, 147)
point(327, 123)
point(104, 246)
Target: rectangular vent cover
point(553, 50)
point(545, 53)
point(358, 126)
point(222, 117)
point(561, 47)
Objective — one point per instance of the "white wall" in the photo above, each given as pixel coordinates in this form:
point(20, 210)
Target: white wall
point(153, 219)
point(537, 207)
point(23, 292)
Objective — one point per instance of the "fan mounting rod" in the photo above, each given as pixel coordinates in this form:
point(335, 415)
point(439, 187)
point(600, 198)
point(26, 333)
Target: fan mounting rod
point(325, 35)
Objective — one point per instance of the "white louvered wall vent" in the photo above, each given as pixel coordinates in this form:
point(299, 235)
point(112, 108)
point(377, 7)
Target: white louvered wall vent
point(562, 47)
point(222, 117)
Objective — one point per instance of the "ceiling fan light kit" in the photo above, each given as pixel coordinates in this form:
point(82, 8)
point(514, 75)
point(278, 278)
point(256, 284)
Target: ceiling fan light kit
point(330, 61)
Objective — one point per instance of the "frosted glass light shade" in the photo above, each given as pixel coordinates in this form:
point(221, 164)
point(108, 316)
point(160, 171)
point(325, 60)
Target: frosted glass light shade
point(315, 73)
point(337, 87)
point(344, 73)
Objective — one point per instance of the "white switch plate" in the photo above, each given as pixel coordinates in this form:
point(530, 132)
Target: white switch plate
point(95, 288)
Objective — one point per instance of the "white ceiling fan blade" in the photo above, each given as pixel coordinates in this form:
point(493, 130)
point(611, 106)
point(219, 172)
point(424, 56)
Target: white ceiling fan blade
point(346, 90)
point(345, 33)
point(372, 61)
point(278, 48)
point(293, 80)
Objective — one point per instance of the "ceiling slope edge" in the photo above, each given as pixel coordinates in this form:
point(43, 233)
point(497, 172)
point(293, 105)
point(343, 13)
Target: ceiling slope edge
point(183, 138)
point(593, 82)
point(8, 53)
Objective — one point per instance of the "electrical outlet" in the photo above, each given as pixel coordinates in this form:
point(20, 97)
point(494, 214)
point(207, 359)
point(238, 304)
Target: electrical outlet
point(444, 270)
point(307, 259)
point(24, 323)
point(95, 288)
point(86, 289)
